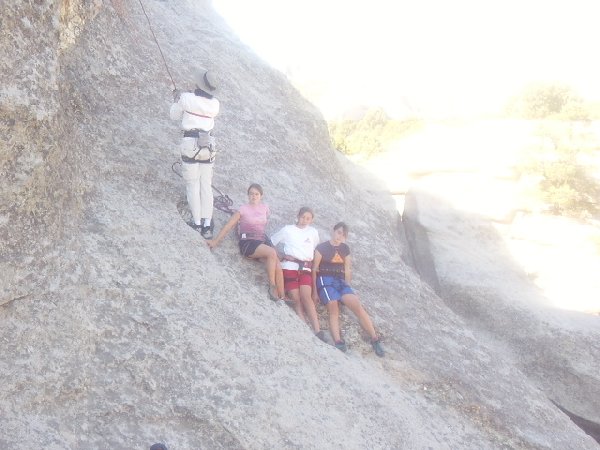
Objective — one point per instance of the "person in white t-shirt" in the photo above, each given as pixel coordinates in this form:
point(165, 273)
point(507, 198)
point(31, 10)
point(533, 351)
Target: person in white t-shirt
point(197, 111)
point(299, 242)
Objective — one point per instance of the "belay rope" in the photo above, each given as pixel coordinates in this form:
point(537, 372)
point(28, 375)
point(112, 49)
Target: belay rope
point(158, 45)
point(221, 201)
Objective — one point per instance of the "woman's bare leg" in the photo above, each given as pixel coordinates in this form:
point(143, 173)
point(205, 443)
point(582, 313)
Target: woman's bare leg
point(333, 312)
point(269, 256)
point(309, 307)
point(353, 303)
point(279, 279)
point(294, 295)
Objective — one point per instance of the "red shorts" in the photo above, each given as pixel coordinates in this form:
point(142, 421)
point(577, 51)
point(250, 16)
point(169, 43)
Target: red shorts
point(293, 279)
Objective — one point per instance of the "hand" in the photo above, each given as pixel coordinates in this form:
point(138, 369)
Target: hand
point(212, 243)
point(176, 95)
point(315, 298)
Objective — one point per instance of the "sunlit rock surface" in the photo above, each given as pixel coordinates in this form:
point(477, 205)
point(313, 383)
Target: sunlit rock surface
point(120, 327)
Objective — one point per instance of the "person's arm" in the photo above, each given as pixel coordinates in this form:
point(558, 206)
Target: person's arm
point(225, 230)
point(315, 238)
point(315, 269)
point(348, 269)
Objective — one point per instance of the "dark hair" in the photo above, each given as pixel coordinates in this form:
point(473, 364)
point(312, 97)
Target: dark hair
point(305, 209)
point(158, 446)
point(343, 226)
point(256, 186)
point(200, 93)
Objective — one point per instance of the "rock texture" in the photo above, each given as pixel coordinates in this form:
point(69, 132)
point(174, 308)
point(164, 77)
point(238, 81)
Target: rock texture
point(120, 327)
point(479, 280)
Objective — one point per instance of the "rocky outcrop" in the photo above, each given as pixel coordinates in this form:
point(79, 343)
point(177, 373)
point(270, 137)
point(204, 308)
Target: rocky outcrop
point(120, 327)
point(40, 166)
point(417, 241)
point(480, 282)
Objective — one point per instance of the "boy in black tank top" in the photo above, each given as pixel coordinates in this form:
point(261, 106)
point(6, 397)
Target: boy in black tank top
point(332, 273)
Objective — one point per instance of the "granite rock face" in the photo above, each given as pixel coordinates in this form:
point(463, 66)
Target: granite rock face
point(479, 280)
point(121, 328)
point(40, 183)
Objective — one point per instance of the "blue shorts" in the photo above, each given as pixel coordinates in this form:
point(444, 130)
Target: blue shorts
point(332, 289)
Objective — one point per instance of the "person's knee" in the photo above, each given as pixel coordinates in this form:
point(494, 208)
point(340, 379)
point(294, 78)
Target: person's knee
point(271, 253)
point(350, 300)
point(359, 311)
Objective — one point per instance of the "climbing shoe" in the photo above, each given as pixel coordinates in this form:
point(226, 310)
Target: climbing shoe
point(377, 347)
point(273, 292)
point(341, 345)
point(321, 335)
point(195, 227)
point(207, 232)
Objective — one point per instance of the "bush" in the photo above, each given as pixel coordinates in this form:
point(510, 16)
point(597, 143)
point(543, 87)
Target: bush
point(567, 186)
point(369, 135)
point(549, 101)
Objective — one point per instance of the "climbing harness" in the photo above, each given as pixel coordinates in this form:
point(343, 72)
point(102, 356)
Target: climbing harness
point(158, 45)
point(305, 266)
point(201, 150)
point(221, 201)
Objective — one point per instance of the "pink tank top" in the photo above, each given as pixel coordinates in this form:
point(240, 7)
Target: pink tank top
point(253, 221)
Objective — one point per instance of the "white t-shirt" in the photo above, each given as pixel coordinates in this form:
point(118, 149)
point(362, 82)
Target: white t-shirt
point(299, 243)
point(195, 112)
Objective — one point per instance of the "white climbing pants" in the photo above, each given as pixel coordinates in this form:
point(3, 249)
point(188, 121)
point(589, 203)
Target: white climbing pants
point(198, 181)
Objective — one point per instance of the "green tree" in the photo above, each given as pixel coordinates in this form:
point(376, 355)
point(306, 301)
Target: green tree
point(370, 134)
point(549, 100)
point(567, 185)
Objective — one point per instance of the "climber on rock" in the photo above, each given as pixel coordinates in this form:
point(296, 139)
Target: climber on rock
point(299, 241)
point(253, 241)
point(197, 110)
point(332, 273)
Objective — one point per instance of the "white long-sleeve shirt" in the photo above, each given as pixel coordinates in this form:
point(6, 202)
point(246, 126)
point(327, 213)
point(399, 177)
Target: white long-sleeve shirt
point(299, 243)
point(195, 112)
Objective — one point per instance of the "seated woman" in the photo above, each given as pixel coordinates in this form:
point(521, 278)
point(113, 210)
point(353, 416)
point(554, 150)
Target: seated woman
point(299, 242)
point(332, 272)
point(254, 244)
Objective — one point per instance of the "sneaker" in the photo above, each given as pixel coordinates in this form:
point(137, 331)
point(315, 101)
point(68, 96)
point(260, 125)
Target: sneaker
point(377, 347)
point(273, 292)
point(321, 335)
point(194, 226)
point(207, 232)
point(341, 345)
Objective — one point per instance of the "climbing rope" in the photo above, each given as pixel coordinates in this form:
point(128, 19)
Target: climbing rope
point(221, 201)
point(158, 45)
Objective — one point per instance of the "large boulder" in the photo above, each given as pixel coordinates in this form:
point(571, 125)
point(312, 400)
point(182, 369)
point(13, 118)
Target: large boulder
point(121, 328)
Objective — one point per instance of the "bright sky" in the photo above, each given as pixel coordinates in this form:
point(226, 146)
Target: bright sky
point(435, 55)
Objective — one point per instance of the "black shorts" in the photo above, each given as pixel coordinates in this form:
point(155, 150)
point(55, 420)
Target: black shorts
point(249, 246)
